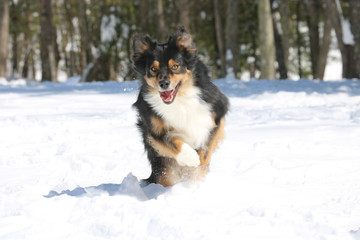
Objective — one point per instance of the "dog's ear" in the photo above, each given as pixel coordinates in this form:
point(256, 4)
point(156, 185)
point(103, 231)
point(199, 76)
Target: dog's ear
point(140, 45)
point(183, 40)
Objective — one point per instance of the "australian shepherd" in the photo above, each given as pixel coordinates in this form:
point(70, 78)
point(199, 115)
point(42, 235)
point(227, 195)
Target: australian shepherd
point(180, 111)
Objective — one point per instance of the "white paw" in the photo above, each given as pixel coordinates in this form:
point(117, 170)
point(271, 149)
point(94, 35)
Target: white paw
point(188, 156)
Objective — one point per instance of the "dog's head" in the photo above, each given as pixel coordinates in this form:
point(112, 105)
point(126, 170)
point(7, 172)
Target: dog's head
point(165, 68)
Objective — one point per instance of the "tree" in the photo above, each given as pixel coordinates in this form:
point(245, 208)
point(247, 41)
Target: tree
point(219, 37)
point(94, 36)
point(323, 49)
point(160, 20)
point(27, 42)
point(299, 38)
point(4, 35)
point(184, 10)
point(68, 32)
point(281, 52)
point(345, 41)
point(313, 18)
point(143, 15)
point(231, 36)
point(85, 38)
point(319, 48)
point(14, 30)
point(266, 40)
point(355, 29)
point(285, 23)
point(106, 45)
point(48, 48)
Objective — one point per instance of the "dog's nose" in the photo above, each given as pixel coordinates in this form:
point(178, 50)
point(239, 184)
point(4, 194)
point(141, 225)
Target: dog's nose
point(164, 84)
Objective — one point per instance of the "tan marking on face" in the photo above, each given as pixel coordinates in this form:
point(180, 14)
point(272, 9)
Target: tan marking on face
point(185, 79)
point(215, 139)
point(174, 66)
point(155, 65)
point(152, 82)
point(158, 125)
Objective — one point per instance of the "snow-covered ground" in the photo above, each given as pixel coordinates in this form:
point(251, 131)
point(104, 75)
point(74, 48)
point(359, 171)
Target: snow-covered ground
point(71, 159)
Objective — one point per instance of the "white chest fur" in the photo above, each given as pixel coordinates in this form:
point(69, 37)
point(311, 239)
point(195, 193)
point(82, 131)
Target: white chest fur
point(189, 117)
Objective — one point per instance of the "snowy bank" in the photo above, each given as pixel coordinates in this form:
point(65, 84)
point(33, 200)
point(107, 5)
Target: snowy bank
point(71, 160)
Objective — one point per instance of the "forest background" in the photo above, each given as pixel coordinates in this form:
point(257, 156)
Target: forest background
point(48, 40)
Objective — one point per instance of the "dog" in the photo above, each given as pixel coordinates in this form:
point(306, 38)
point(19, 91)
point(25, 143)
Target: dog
point(181, 113)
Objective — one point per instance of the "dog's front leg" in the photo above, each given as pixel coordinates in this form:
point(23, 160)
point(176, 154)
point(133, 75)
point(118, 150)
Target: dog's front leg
point(173, 147)
point(215, 138)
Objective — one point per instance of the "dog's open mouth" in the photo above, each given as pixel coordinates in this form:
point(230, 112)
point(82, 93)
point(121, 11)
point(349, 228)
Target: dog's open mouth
point(169, 96)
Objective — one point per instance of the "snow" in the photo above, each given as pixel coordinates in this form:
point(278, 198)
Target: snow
point(348, 37)
point(203, 15)
point(71, 159)
point(250, 60)
point(229, 55)
point(229, 70)
point(333, 69)
point(107, 29)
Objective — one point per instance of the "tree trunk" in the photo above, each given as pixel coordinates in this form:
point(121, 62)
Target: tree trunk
point(100, 70)
point(32, 65)
point(4, 35)
point(25, 68)
point(85, 38)
point(279, 46)
point(280, 58)
point(64, 36)
point(266, 40)
point(14, 32)
point(184, 9)
point(28, 46)
point(47, 42)
point(355, 29)
point(143, 16)
point(15, 55)
point(231, 35)
point(324, 49)
point(285, 23)
point(70, 30)
point(219, 37)
point(160, 20)
point(27, 55)
point(312, 18)
point(298, 38)
point(251, 65)
point(347, 50)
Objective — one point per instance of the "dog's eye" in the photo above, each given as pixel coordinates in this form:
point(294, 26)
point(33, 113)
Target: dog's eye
point(153, 69)
point(175, 67)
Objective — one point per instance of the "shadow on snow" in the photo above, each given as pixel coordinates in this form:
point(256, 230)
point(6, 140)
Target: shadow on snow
point(130, 186)
point(49, 88)
point(256, 87)
point(231, 87)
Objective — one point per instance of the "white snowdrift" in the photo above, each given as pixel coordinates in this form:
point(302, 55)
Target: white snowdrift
point(71, 159)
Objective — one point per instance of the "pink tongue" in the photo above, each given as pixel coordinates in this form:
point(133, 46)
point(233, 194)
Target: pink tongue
point(166, 96)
